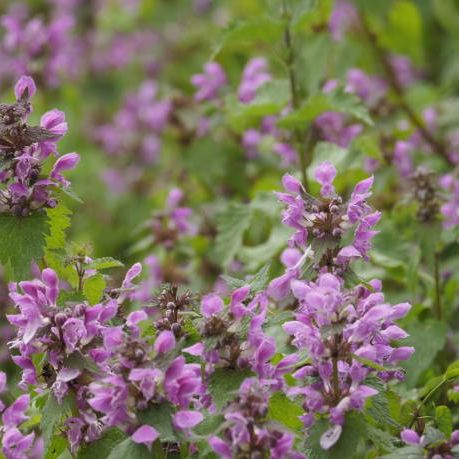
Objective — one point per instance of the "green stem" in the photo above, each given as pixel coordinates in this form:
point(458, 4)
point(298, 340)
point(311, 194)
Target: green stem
point(438, 302)
point(302, 138)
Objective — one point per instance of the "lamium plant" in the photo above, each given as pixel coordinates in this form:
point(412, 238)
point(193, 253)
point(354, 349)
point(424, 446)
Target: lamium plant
point(254, 253)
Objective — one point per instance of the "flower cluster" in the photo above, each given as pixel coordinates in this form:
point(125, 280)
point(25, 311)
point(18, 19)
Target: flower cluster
point(136, 129)
point(100, 360)
point(248, 433)
point(321, 223)
point(347, 334)
point(25, 149)
point(15, 444)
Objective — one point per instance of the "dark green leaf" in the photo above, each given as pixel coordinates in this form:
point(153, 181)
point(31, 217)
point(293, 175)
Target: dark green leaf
point(159, 416)
point(102, 448)
point(224, 384)
point(22, 241)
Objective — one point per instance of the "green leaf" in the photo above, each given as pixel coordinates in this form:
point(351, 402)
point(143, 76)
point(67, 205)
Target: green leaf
point(127, 449)
point(52, 415)
point(159, 416)
point(81, 362)
point(271, 98)
point(22, 241)
point(426, 349)
point(57, 445)
point(254, 257)
point(369, 363)
point(102, 448)
point(447, 14)
point(283, 410)
point(403, 34)
point(444, 420)
point(104, 263)
point(408, 452)
point(224, 384)
point(354, 431)
point(257, 282)
point(93, 288)
point(336, 101)
point(210, 425)
point(383, 440)
point(59, 221)
point(262, 29)
point(311, 15)
point(231, 225)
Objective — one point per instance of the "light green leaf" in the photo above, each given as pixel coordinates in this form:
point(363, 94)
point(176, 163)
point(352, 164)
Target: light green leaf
point(254, 257)
point(93, 288)
point(262, 29)
point(231, 225)
point(283, 410)
point(59, 221)
point(444, 420)
point(403, 33)
point(104, 263)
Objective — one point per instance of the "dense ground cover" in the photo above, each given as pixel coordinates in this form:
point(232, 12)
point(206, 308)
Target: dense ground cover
point(229, 229)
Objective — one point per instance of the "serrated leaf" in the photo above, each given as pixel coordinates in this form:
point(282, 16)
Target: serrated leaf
point(285, 411)
point(22, 241)
point(127, 449)
point(383, 440)
point(93, 288)
point(102, 448)
point(104, 263)
point(52, 415)
point(159, 416)
point(257, 282)
point(224, 384)
point(59, 220)
point(231, 225)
